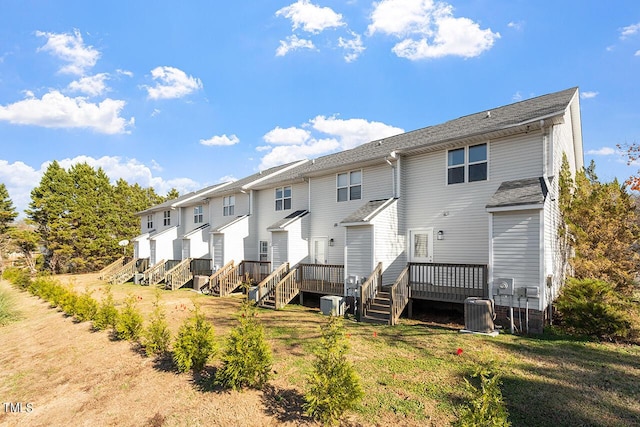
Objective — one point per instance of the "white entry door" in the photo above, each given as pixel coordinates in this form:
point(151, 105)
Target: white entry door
point(152, 254)
point(421, 245)
point(319, 250)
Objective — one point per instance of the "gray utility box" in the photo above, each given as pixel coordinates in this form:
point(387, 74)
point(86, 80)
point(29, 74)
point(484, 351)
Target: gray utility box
point(332, 305)
point(478, 315)
point(253, 293)
point(200, 282)
point(138, 278)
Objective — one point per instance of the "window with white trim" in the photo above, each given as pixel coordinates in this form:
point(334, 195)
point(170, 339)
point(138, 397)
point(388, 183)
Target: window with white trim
point(467, 164)
point(228, 205)
point(264, 250)
point(198, 215)
point(149, 221)
point(166, 220)
point(283, 198)
point(349, 186)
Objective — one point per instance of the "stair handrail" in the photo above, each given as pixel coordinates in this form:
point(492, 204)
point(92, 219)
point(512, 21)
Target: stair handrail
point(179, 275)
point(369, 290)
point(231, 280)
point(126, 271)
point(219, 273)
point(111, 268)
point(399, 295)
point(268, 285)
point(155, 274)
point(287, 288)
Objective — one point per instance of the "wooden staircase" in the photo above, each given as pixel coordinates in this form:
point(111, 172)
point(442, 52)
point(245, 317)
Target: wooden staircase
point(267, 287)
point(124, 273)
point(214, 280)
point(179, 275)
point(155, 274)
point(379, 310)
point(109, 270)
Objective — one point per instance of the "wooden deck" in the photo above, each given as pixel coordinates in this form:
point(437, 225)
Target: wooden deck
point(447, 282)
point(326, 279)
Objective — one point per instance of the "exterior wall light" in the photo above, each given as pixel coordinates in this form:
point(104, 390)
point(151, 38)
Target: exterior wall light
point(440, 235)
point(331, 242)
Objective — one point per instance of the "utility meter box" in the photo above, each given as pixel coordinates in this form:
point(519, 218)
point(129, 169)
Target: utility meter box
point(503, 286)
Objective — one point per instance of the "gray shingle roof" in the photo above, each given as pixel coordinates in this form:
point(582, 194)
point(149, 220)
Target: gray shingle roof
point(280, 225)
point(365, 213)
point(530, 191)
point(500, 118)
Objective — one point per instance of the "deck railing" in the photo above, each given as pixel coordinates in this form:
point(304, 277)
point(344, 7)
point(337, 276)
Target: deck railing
point(399, 294)
point(110, 269)
point(179, 275)
point(325, 279)
point(257, 270)
point(447, 282)
point(214, 280)
point(124, 273)
point(268, 285)
point(155, 274)
point(369, 290)
point(231, 280)
point(287, 289)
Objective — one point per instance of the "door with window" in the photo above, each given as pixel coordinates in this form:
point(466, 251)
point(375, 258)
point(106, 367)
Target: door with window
point(319, 250)
point(421, 245)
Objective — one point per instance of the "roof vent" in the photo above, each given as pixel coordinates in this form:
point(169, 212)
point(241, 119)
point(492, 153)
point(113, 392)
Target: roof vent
point(488, 116)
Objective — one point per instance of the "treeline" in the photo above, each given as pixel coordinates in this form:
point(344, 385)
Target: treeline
point(77, 217)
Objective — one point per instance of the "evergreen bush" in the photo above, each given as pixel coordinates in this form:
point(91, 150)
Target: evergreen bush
point(487, 407)
point(107, 312)
point(246, 359)
point(129, 321)
point(194, 344)
point(86, 307)
point(17, 277)
point(593, 307)
point(333, 386)
point(156, 337)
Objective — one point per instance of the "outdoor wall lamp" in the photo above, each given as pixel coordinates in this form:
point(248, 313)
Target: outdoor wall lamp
point(440, 235)
point(331, 242)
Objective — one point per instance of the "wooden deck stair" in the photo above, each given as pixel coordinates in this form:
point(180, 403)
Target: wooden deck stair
point(379, 310)
point(179, 275)
point(267, 287)
point(109, 270)
point(124, 273)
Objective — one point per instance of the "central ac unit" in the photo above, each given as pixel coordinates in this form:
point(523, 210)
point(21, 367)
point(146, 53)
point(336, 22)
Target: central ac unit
point(478, 315)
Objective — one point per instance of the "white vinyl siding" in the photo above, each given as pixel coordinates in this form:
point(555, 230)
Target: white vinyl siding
point(196, 244)
point(517, 249)
point(279, 243)
point(359, 251)
point(390, 244)
point(167, 246)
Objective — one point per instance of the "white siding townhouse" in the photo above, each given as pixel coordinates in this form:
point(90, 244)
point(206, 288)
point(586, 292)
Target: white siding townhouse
point(464, 208)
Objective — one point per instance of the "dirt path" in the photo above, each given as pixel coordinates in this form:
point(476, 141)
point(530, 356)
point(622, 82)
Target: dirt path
point(63, 374)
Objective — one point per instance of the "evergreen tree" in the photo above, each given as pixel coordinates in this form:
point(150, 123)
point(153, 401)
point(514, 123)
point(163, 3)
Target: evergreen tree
point(7, 210)
point(172, 194)
point(602, 228)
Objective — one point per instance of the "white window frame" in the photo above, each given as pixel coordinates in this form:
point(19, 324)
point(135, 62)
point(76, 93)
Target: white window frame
point(228, 205)
point(198, 214)
point(150, 221)
point(283, 199)
point(263, 250)
point(349, 185)
point(166, 218)
point(466, 164)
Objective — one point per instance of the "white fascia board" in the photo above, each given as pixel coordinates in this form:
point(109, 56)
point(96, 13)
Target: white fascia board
point(271, 175)
point(516, 208)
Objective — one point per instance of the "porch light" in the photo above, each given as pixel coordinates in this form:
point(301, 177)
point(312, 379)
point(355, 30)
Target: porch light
point(331, 242)
point(440, 235)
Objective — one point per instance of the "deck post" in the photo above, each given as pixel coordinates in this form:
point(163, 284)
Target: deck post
point(410, 309)
point(301, 299)
point(360, 305)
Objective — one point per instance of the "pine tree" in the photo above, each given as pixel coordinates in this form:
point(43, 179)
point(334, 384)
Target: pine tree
point(7, 211)
point(172, 194)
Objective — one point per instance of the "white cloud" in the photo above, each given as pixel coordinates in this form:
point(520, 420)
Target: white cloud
point(629, 30)
point(517, 96)
point(312, 18)
point(21, 178)
point(90, 85)
point(55, 110)
point(604, 151)
point(588, 95)
point(263, 148)
point(155, 112)
point(353, 47)
point(227, 178)
point(429, 30)
point(637, 53)
point(71, 49)
point(288, 136)
point(220, 140)
point(293, 43)
point(124, 72)
point(172, 83)
point(515, 25)
point(296, 143)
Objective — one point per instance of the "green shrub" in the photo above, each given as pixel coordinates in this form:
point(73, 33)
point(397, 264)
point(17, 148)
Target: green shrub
point(17, 277)
point(593, 307)
point(129, 321)
point(486, 407)
point(246, 359)
point(156, 337)
point(68, 300)
point(7, 311)
point(194, 344)
point(333, 386)
point(107, 312)
point(86, 307)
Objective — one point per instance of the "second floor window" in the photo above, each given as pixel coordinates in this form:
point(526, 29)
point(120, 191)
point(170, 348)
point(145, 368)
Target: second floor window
point(467, 164)
point(283, 198)
point(349, 186)
point(228, 205)
point(198, 216)
point(167, 218)
point(264, 250)
point(149, 221)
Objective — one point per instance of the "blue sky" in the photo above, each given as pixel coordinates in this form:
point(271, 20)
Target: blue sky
point(188, 94)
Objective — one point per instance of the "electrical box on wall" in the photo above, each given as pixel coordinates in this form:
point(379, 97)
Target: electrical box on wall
point(532, 292)
point(503, 286)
